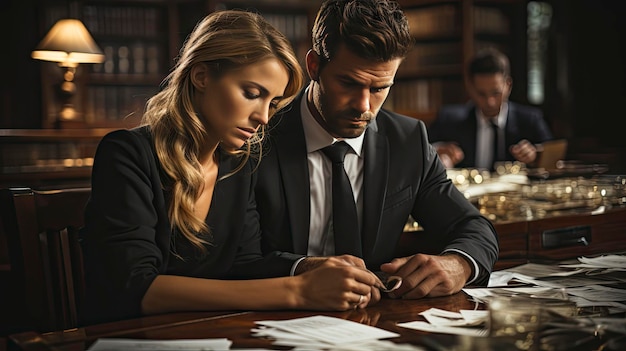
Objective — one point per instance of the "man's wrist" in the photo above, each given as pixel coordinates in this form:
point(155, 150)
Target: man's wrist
point(306, 264)
point(294, 267)
point(469, 265)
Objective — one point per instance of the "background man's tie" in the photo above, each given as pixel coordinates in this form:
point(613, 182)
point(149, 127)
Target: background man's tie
point(345, 222)
point(498, 142)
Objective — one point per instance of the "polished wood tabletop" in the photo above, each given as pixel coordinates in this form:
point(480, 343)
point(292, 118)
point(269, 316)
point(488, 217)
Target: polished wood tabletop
point(236, 326)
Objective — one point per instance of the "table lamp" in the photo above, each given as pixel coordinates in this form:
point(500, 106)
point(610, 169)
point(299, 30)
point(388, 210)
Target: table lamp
point(69, 43)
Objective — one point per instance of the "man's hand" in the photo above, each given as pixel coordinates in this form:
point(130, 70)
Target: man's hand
point(428, 275)
point(450, 154)
point(524, 151)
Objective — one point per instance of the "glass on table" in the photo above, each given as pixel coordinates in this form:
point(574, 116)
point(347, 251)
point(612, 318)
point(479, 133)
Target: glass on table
point(520, 317)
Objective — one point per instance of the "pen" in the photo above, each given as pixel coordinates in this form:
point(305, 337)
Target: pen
point(387, 283)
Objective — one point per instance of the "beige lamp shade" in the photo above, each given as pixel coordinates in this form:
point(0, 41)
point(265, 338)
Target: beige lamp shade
point(69, 43)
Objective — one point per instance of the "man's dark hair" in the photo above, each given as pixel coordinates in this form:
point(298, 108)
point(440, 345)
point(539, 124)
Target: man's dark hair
point(489, 61)
point(373, 29)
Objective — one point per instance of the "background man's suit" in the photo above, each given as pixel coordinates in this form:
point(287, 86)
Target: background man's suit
point(457, 123)
point(402, 176)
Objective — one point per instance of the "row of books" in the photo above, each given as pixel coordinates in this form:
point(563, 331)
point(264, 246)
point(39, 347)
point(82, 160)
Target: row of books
point(293, 26)
point(447, 55)
point(116, 103)
point(127, 21)
point(491, 20)
point(136, 58)
point(445, 20)
point(431, 54)
point(46, 156)
point(424, 95)
point(434, 20)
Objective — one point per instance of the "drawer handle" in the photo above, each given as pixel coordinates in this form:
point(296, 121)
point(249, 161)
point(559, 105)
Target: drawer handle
point(564, 237)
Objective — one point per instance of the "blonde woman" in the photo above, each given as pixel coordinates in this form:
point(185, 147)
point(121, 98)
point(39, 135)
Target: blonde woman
point(171, 224)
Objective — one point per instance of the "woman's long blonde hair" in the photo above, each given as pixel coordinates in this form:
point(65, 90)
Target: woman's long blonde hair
point(225, 40)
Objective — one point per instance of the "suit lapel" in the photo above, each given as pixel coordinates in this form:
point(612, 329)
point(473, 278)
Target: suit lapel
point(292, 160)
point(510, 128)
point(472, 126)
point(376, 168)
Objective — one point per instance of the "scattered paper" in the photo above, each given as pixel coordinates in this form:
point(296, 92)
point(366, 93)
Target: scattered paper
point(441, 317)
point(599, 265)
point(599, 293)
point(115, 344)
point(427, 327)
point(325, 329)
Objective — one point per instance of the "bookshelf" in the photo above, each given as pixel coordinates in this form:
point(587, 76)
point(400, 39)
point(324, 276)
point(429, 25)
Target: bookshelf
point(48, 158)
point(294, 18)
point(140, 40)
point(446, 34)
point(134, 41)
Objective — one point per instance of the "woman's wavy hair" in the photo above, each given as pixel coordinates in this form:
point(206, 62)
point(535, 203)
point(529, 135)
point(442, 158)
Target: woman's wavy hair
point(226, 41)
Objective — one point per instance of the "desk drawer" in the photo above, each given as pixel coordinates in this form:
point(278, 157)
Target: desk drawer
point(513, 244)
point(573, 236)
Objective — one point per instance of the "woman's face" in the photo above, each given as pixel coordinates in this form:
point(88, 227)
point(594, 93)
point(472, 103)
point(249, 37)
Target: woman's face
point(234, 105)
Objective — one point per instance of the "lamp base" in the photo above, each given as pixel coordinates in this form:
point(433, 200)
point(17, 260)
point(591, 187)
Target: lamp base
point(68, 113)
point(69, 118)
point(67, 124)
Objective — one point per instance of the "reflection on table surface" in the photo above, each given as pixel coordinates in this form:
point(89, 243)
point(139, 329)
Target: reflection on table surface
point(539, 328)
point(511, 195)
point(236, 326)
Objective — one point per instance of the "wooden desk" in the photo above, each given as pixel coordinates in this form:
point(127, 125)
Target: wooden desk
point(554, 237)
point(562, 236)
point(236, 326)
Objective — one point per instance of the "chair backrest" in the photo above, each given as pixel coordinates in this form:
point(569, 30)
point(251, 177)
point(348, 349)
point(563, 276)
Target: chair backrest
point(44, 249)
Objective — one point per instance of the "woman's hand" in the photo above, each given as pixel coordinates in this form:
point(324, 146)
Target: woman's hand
point(337, 283)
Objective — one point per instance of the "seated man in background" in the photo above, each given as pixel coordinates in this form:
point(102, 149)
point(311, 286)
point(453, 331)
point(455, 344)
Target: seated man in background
point(490, 128)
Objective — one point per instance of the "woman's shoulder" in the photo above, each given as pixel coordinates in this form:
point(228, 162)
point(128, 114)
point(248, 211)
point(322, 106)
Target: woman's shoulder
point(134, 137)
point(141, 132)
point(126, 143)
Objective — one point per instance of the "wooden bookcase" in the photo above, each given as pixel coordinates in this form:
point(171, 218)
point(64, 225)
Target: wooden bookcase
point(294, 18)
point(140, 40)
point(48, 158)
point(447, 33)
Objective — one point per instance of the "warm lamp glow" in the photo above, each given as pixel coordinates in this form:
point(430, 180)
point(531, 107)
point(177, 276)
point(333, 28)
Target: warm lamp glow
point(69, 43)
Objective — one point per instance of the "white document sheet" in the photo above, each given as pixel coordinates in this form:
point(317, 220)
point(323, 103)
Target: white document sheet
point(115, 344)
point(427, 327)
point(330, 330)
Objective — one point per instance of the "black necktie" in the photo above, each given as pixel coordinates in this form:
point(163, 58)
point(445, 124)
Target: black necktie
point(498, 147)
point(345, 222)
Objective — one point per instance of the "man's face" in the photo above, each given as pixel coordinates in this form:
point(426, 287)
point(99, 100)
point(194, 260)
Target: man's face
point(347, 93)
point(489, 91)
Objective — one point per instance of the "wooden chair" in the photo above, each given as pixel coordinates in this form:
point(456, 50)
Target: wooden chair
point(44, 249)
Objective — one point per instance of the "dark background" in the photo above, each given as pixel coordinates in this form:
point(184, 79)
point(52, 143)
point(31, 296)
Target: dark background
point(585, 87)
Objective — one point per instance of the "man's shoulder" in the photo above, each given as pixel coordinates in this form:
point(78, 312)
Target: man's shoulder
point(522, 109)
point(386, 116)
point(398, 127)
point(455, 110)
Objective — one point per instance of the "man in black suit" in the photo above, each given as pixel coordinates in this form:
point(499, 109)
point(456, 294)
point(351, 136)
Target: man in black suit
point(394, 172)
point(490, 128)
